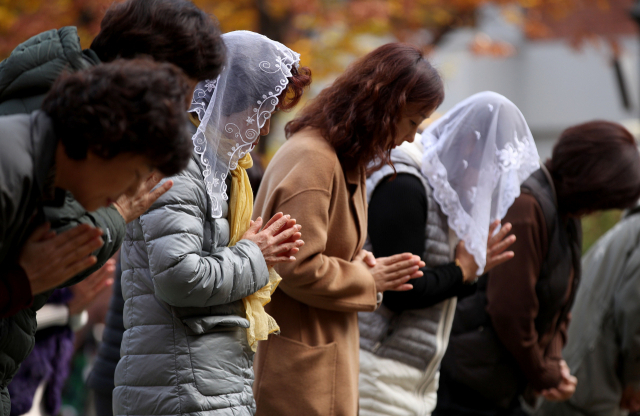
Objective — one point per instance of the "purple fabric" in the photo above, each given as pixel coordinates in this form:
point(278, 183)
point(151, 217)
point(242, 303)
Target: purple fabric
point(49, 361)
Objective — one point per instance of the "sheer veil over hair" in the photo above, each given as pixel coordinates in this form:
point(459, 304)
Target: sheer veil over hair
point(476, 156)
point(234, 107)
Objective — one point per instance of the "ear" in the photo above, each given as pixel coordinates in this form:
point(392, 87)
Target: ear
point(264, 130)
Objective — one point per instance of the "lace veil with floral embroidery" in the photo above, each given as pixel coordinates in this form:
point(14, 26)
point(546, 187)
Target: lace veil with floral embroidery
point(234, 107)
point(476, 156)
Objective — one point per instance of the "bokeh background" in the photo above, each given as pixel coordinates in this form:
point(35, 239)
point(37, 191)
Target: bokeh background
point(561, 61)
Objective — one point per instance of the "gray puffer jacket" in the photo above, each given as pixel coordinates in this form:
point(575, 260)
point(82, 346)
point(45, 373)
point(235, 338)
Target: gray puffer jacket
point(185, 350)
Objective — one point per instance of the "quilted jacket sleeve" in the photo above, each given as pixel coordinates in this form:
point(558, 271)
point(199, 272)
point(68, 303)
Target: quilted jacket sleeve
point(626, 306)
point(173, 231)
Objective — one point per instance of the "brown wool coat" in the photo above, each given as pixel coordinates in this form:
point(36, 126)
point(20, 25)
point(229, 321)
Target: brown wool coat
point(312, 367)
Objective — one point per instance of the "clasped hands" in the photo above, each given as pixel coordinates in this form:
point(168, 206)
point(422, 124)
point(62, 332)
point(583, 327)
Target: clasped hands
point(279, 239)
point(394, 272)
point(565, 389)
point(50, 259)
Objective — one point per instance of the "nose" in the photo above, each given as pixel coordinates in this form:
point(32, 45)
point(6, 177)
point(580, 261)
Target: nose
point(411, 137)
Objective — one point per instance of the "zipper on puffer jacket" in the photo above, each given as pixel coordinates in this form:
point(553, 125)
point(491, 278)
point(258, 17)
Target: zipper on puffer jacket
point(378, 344)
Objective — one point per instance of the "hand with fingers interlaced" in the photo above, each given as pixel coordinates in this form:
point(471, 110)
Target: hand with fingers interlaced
point(393, 272)
point(279, 240)
point(50, 259)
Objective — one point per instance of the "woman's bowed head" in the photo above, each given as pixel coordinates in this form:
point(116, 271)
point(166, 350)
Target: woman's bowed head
point(375, 105)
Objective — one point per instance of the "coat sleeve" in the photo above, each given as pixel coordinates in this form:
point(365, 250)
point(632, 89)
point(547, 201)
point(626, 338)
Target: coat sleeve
point(626, 308)
point(173, 231)
point(15, 289)
point(72, 214)
point(512, 302)
point(316, 279)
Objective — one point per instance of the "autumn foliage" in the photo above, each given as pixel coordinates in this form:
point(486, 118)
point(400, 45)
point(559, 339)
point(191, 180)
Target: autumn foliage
point(328, 32)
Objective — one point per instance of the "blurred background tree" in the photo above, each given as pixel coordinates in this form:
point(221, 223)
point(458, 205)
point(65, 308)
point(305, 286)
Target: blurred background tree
point(329, 33)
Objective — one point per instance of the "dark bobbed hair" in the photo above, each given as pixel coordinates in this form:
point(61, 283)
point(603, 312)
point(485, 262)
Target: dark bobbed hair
point(359, 112)
point(127, 106)
point(595, 166)
point(174, 31)
point(289, 97)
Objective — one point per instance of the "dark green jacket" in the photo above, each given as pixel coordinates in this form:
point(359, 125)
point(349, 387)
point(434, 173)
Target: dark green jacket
point(25, 77)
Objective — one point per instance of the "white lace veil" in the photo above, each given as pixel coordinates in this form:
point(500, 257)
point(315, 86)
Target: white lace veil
point(476, 156)
point(233, 107)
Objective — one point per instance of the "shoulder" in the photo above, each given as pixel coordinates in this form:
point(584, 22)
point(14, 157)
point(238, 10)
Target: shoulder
point(529, 225)
point(399, 201)
point(16, 154)
point(405, 186)
point(525, 210)
point(622, 239)
point(35, 64)
point(305, 161)
point(16, 165)
point(309, 146)
point(188, 188)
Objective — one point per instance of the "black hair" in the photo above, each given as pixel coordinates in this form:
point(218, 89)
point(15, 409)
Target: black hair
point(136, 106)
point(174, 31)
point(595, 166)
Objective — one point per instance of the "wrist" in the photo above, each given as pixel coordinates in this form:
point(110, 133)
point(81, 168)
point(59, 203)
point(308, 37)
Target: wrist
point(120, 211)
point(468, 276)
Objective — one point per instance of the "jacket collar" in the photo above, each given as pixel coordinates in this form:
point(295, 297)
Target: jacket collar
point(356, 178)
point(549, 178)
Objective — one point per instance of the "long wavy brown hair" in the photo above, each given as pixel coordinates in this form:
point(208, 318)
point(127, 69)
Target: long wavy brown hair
point(359, 112)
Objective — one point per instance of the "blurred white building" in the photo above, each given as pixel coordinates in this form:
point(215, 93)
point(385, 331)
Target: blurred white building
point(554, 85)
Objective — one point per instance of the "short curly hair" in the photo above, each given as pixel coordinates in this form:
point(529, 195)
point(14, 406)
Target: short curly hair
point(127, 106)
point(174, 31)
point(358, 113)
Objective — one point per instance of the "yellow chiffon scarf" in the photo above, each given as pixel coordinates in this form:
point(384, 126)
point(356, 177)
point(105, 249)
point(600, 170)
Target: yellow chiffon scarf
point(240, 212)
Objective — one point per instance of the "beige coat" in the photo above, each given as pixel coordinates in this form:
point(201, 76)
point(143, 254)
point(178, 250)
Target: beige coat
point(312, 367)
